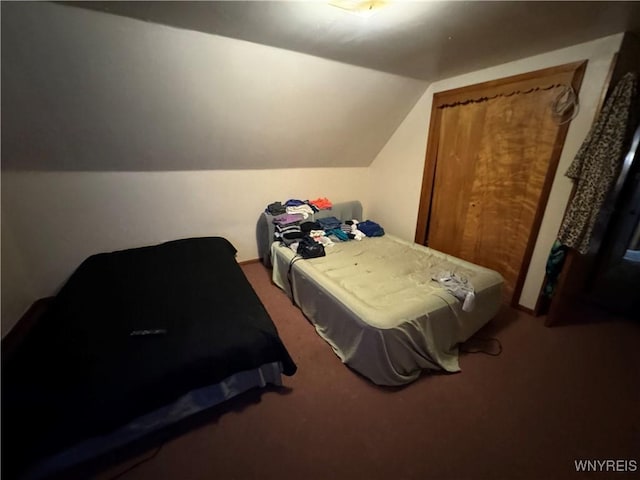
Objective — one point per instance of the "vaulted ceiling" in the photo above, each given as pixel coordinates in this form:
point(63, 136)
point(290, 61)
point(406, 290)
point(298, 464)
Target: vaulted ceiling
point(152, 86)
point(428, 40)
point(84, 90)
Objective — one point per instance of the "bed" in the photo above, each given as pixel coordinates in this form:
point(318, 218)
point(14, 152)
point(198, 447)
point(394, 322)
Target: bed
point(134, 341)
point(375, 303)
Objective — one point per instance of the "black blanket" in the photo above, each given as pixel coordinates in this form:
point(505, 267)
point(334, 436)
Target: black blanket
point(81, 373)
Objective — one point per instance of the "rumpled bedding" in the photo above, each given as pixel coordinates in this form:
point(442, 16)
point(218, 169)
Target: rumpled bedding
point(376, 304)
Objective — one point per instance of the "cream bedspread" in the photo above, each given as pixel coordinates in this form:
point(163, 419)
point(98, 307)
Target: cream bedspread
point(374, 302)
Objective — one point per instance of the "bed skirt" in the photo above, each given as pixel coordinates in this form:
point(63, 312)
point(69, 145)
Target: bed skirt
point(189, 404)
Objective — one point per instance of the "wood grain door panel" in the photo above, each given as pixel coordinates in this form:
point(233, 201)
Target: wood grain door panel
point(460, 137)
point(495, 157)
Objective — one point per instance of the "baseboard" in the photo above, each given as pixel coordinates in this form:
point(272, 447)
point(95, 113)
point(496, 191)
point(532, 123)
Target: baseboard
point(530, 311)
point(248, 262)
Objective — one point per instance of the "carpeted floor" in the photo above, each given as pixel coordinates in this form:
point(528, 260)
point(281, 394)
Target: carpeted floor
point(554, 395)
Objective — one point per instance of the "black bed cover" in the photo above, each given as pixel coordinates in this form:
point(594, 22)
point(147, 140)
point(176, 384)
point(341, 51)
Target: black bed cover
point(81, 373)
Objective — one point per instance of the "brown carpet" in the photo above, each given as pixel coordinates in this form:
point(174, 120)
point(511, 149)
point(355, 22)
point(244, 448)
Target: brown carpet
point(553, 396)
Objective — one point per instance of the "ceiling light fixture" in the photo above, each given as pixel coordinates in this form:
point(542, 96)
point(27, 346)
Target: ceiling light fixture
point(361, 8)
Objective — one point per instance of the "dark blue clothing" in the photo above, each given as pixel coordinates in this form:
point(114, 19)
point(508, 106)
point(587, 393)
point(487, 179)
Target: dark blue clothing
point(293, 203)
point(329, 223)
point(371, 229)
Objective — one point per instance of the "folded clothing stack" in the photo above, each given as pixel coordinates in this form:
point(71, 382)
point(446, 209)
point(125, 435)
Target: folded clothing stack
point(287, 228)
point(340, 234)
point(292, 225)
point(293, 202)
point(370, 229)
point(306, 227)
point(304, 210)
point(275, 208)
point(303, 207)
point(322, 203)
point(329, 223)
point(350, 228)
point(288, 234)
point(287, 219)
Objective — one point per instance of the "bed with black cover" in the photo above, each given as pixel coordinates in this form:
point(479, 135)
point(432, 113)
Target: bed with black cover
point(135, 340)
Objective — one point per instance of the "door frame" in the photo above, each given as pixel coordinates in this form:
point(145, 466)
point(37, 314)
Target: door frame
point(546, 78)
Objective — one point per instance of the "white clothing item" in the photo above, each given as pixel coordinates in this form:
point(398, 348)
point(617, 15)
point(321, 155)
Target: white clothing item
point(357, 234)
point(459, 287)
point(304, 210)
point(326, 241)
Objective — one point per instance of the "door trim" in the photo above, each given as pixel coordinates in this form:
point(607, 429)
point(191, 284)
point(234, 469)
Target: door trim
point(572, 73)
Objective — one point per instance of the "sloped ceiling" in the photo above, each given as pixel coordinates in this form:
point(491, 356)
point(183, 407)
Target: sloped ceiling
point(421, 39)
point(143, 86)
point(87, 91)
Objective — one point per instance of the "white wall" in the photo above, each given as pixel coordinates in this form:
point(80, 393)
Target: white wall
point(60, 218)
point(85, 90)
point(396, 173)
point(118, 133)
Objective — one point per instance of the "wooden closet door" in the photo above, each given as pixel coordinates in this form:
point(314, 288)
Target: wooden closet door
point(495, 157)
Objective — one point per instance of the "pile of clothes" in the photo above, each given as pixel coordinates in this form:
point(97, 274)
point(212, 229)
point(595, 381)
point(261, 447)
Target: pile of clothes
point(291, 228)
point(299, 207)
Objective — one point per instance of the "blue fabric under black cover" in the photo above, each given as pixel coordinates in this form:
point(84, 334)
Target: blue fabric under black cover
point(81, 374)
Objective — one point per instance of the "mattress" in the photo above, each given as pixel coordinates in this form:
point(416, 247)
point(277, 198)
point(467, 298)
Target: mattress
point(375, 303)
point(89, 368)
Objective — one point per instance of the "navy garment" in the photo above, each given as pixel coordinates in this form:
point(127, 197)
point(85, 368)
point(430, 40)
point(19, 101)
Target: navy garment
point(329, 223)
point(371, 229)
point(293, 203)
